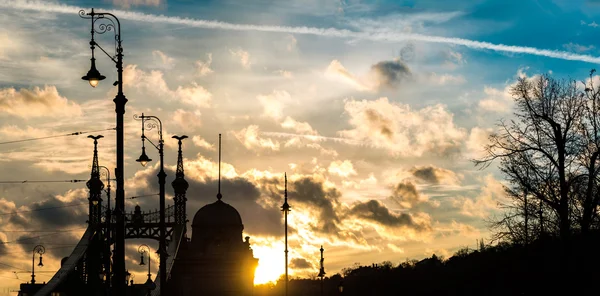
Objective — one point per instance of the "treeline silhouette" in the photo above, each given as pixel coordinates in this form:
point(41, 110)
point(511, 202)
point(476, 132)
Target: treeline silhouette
point(503, 269)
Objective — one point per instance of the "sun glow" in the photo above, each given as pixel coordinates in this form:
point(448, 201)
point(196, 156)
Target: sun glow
point(271, 262)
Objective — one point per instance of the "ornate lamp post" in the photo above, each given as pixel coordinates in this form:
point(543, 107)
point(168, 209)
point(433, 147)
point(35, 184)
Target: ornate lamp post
point(144, 249)
point(285, 208)
point(149, 122)
point(94, 77)
point(39, 249)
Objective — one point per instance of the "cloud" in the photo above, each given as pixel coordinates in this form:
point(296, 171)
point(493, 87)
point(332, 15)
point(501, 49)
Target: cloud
point(343, 169)
point(299, 127)
point(574, 47)
point(492, 194)
point(402, 131)
point(273, 103)
point(250, 138)
point(300, 263)
point(313, 194)
point(390, 73)
point(390, 36)
point(165, 60)
point(405, 194)
point(154, 82)
point(128, 3)
point(435, 175)
point(187, 120)
point(285, 74)
point(203, 67)
point(445, 79)
point(200, 142)
point(243, 56)
point(37, 102)
point(373, 210)
point(336, 70)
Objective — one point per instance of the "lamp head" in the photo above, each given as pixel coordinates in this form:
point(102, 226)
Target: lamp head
point(144, 159)
point(40, 264)
point(142, 260)
point(93, 76)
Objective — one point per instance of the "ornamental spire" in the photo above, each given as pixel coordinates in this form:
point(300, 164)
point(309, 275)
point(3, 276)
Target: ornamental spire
point(219, 195)
point(180, 185)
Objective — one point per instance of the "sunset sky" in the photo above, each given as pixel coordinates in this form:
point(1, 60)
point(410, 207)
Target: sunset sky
point(373, 108)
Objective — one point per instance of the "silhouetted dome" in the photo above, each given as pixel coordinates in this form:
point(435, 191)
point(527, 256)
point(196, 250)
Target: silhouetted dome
point(217, 214)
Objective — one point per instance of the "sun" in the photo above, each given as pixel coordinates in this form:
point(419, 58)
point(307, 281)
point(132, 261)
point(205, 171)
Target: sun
point(271, 263)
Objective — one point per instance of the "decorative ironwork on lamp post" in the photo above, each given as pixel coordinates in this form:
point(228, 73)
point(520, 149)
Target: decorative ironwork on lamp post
point(150, 122)
point(285, 208)
point(93, 76)
point(39, 249)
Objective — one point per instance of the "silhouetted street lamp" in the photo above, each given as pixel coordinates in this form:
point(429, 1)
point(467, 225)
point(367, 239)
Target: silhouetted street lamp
point(39, 249)
point(144, 249)
point(285, 208)
point(341, 287)
point(322, 269)
point(94, 77)
point(150, 122)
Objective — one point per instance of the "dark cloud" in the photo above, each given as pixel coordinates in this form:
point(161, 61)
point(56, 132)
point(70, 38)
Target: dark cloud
point(405, 193)
point(52, 213)
point(376, 212)
point(391, 73)
point(300, 263)
point(380, 123)
point(426, 174)
point(312, 193)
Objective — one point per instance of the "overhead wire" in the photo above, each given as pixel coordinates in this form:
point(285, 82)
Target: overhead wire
point(56, 136)
point(43, 181)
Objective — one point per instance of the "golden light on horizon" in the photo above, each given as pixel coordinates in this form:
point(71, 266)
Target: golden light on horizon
point(271, 263)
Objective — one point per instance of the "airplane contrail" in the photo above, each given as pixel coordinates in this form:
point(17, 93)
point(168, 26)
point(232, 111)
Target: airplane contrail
point(315, 138)
point(325, 32)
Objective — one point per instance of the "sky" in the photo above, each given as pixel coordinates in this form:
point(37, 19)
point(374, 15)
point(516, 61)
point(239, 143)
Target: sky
point(374, 109)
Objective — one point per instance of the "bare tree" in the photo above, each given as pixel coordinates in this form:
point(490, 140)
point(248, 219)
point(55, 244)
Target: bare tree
point(540, 150)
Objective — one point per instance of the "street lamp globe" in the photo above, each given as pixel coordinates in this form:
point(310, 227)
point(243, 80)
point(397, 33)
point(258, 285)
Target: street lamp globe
point(93, 76)
point(341, 287)
point(144, 159)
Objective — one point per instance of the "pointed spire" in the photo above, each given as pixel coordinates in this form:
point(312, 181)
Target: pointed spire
point(180, 186)
point(219, 196)
point(95, 186)
point(285, 207)
point(322, 269)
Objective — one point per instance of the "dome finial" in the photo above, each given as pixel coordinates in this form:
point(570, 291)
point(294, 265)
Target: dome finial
point(219, 196)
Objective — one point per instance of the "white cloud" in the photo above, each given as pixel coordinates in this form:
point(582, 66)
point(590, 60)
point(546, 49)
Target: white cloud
point(250, 138)
point(203, 67)
point(285, 74)
point(402, 131)
point(187, 120)
point(444, 79)
point(243, 56)
point(574, 47)
point(336, 70)
point(129, 3)
point(273, 103)
point(298, 127)
point(341, 168)
point(37, 102)
point(165, 60)
point(154, 82)
point(200, 142)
